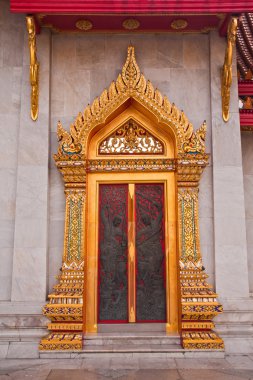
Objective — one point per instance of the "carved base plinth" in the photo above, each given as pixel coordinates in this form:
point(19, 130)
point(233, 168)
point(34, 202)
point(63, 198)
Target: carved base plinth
point(199, 306)
point(59, 341)
point(201, 340)
point(65, 310)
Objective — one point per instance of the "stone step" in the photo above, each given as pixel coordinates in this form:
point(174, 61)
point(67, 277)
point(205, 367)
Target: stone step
point(133, 348)
point(130, 354)
point(131, 327)
point(131, 339)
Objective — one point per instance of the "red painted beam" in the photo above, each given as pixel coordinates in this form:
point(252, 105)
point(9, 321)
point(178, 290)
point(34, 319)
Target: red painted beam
point(245, 87)
point(131, 6)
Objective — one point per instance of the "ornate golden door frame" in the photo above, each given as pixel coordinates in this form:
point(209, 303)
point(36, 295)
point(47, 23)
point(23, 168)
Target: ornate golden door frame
point(184, 156)
point(118, 169)
point(168, 179)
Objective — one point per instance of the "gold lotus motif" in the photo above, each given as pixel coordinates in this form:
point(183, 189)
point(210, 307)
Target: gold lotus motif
point(131, 24)
point(84, 25)
point(179, 24)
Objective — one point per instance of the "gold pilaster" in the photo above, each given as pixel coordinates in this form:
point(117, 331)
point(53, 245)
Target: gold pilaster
point(65, 307)
point(199, 303)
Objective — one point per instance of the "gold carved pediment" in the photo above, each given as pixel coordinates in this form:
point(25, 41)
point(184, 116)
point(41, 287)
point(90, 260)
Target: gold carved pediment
point(131, 138)
point(130, 84)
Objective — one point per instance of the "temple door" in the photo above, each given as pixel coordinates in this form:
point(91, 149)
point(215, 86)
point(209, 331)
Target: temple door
point(131, 267)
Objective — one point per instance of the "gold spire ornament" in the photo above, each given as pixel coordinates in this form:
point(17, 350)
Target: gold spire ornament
point(226, 76)
point(34, 68)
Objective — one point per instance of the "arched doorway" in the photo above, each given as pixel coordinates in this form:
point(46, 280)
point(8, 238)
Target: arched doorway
point(133, 137)
point(132, 259)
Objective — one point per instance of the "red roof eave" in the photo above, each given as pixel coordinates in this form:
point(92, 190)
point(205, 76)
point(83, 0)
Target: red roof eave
point(245, 88)
point(130, 6)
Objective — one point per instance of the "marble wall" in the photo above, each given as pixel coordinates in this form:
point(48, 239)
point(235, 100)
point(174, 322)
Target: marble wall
point(229, 209)
point(83, 65)
point(247, 159)
point(12, 29)
point(74, 70)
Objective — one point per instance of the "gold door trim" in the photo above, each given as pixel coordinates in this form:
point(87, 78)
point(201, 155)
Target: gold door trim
point(172, 299)
point(131, 256)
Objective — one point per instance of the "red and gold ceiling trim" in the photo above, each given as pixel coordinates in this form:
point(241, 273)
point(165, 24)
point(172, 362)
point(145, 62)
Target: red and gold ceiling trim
point(185, 16)
point(130, 6)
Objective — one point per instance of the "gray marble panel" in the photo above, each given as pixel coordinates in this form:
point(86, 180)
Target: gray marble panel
point(249, 229)
point(7, 231)
point(5, 272)
point(206, 193)
point(56, 233)
point(224, 137)
point(23, 350)
point(207, 252)
point(29, 280)
point(56, 196)
point(229, 209)
point(11, 19)
point(229, 195)
point(248, 188)
point(90, 52)
point(7, 193)
point(3, 350)
point(64, 52)
point(31, 200)
point(31, 222)
point(195, 51)
point(14, 39)
point(8, 142)
point(169, 51)
point(247, 152)
point(189, 91)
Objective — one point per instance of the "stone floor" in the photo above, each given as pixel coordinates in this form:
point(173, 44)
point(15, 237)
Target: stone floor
point(233, 367)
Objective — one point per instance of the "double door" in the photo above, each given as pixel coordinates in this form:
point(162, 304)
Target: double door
point(131, 253)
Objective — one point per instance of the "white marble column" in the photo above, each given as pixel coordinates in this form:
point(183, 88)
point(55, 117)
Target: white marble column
point(229, 212)
point(29, 280)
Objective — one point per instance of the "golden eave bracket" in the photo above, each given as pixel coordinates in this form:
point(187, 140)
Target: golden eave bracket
point(226, 75)
point(34, 67)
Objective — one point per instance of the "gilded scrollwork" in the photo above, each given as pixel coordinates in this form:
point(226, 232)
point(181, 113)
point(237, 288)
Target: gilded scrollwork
point(73, 245)
point(131, 138)
point(34, 67)
point(131, 165)
point(131, 84)
point(195, 141)
point(226, 77)
point(188, 222)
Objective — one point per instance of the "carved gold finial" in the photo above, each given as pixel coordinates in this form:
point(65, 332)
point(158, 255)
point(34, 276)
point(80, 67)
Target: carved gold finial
point(130, 71)
point(34, 68)
point(226, 79)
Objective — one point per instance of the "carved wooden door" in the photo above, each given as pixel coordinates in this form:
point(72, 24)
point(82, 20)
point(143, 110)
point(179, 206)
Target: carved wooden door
point(131, 268)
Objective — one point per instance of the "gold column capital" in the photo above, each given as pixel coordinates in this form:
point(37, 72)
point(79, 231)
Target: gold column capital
point(189, 169)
